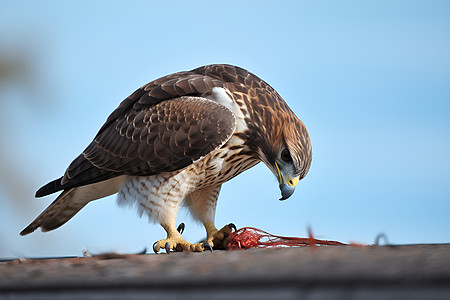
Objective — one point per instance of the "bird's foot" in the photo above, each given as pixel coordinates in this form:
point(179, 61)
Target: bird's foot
point(176, 243)
point(218, 238)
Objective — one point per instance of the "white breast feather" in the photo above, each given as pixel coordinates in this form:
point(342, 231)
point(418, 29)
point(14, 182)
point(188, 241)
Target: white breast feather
point(221, 96)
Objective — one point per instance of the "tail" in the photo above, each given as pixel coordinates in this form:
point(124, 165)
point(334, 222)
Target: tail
point(70, 202)
point(56, 214)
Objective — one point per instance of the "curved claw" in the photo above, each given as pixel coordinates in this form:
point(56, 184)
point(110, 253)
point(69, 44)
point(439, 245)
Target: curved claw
point(167, 247)
point(180, 228)
point(232, 226)
point(207, 246)
point(154, 247)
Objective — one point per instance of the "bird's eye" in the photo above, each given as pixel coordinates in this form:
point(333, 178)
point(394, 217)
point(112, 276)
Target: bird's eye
point(285, 155)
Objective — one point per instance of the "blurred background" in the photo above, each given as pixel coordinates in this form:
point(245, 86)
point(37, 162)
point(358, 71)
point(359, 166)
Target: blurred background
point(370, 79)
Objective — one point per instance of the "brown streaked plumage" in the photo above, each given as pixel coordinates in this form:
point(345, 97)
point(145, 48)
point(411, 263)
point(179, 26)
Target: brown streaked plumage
point(174, 141)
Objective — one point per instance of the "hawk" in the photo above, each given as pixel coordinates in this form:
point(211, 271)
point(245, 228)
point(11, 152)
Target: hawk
point(174, 142)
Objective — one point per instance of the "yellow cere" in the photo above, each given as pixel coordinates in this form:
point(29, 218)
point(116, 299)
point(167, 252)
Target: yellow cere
point(293, 181)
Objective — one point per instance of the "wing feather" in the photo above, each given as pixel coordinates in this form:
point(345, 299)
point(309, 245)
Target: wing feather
point(122, 145)
point(140, 144)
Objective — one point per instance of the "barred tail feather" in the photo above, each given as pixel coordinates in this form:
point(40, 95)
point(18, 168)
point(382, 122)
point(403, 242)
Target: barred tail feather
point(70, 202)
point(56, 214)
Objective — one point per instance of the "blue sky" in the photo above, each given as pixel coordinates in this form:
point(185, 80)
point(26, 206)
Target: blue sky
point(370, 79)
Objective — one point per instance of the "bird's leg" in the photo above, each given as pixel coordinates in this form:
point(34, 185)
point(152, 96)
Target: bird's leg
point(217, 238)
point(175, 242)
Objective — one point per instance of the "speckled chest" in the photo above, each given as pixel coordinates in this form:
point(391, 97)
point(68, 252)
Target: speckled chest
point(234, 157)
point(225, 163)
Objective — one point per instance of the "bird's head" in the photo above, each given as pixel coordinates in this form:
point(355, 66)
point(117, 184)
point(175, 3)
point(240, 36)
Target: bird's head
point(289, 154)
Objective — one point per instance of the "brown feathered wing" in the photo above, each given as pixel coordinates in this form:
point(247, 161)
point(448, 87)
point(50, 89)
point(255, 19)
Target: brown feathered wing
point(164, 137)
point(162, 127)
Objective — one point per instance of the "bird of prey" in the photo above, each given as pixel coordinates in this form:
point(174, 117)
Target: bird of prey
point(174, 142)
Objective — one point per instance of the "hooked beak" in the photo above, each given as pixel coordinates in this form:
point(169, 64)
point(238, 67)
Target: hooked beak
point(286, 191)
point(287, 185)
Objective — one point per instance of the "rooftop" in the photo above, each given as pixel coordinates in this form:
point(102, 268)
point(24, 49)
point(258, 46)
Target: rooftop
point(326, 272)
